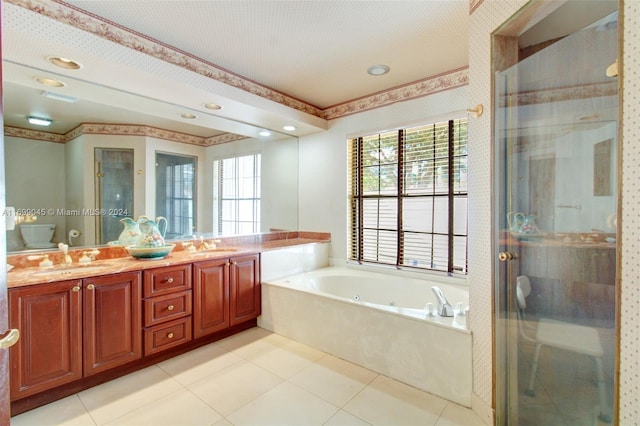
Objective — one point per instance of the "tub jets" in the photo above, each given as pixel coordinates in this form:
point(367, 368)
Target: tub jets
point(444, 307)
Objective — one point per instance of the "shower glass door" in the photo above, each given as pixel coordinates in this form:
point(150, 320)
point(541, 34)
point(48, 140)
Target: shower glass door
point(556, 148)
point(114, 191)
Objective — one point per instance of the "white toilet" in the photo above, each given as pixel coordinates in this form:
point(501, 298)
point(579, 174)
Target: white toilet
point(37, 235)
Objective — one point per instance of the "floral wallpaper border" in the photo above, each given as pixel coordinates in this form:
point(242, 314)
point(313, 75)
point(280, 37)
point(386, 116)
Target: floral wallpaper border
point(121, 130)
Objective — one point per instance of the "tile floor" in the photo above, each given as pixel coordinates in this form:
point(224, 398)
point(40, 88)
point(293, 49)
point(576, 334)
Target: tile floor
point(252, 378)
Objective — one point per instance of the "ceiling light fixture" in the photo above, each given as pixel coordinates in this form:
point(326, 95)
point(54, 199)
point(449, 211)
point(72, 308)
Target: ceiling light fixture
point(64, 63)
point(59, 97)
point(188, 116)
point(378, 69)
point(264, 133)
point(39, 121)
point(211, 105)
point(49, 82)
point(289, 128)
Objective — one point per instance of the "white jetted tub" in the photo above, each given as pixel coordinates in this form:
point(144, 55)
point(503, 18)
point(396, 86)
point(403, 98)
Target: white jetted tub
point(378, 321)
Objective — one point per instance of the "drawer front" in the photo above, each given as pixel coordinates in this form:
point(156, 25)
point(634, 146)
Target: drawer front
point(168, 335)
point(167, 280)
point(160, 309)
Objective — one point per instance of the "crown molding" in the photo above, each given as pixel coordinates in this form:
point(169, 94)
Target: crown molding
point(120, 130)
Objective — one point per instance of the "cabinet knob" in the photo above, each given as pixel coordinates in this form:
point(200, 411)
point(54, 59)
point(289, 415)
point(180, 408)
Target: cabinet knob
point(91, 287)
point(170, 280)
point(228, 263)
point(170, 335)
point(235, 263)
point(170, 307)
point(76, 288)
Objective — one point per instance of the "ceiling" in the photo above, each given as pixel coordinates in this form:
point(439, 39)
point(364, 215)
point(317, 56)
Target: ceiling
point(269, 63)
point(314, 53)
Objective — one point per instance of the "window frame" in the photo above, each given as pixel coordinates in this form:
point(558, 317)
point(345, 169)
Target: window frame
point(456, 189)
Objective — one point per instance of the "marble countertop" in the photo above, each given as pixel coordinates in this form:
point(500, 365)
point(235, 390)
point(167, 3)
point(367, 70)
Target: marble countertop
point(118, 260)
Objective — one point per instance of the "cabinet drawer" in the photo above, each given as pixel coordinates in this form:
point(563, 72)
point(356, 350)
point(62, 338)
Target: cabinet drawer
point(167, 280)
point(168, 335)
point(164, 308)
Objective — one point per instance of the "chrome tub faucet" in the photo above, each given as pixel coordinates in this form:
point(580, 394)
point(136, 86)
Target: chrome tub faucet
point(444, 307)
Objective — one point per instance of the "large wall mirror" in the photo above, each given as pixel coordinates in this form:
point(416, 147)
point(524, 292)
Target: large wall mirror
point(51, 171)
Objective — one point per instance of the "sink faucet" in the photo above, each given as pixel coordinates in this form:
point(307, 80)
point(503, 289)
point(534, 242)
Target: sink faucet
point(64, 248)
point(444, 308)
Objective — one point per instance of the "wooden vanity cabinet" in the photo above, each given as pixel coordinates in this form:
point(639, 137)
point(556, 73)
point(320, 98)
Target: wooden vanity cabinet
point(112, 321)
point(49, 352)
point(244, 284)
point(167, 308)
point(226, 292)
point(73, 329)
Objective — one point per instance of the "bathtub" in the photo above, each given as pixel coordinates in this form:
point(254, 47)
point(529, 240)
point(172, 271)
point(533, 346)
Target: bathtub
point(377, 321)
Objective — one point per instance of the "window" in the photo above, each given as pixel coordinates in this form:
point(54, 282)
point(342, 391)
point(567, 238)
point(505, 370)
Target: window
point(175, 193)
point(236, 195)
point(408, 193)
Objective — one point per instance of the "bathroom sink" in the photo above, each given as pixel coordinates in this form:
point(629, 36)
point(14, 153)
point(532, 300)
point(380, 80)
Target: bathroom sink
point(71, 270)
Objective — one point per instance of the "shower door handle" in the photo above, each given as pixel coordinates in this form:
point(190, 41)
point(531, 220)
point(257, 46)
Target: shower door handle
point(505, 256)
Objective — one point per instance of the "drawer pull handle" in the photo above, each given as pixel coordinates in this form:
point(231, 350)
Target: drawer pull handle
point(170, 335)
point(76, 288)
point(91, 287)
point(170, 307)
point(169, 280)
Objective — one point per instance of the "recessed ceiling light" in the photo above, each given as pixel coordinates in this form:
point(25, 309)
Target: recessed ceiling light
point(188, 115)
point(64, 63)
point(378, 69)
point(264, 133)
point(289, 128)
point(212, 106)
point(39, 121)
point(49, 82)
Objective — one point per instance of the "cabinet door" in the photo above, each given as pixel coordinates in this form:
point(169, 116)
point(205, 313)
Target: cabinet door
point(210, 297)
point(112, 321)
point(49, 351)
point(245, 288)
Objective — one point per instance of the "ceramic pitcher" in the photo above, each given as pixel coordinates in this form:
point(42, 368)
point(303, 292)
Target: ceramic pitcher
point(131, 232)
point(152, 231)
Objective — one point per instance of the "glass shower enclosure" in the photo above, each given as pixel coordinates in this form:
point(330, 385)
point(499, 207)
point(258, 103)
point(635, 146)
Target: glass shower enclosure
point(114, 191)
point(555, 158)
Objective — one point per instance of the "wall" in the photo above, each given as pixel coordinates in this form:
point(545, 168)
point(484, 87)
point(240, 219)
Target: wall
point(35, 176)
point(323, 159)
point(629, 393)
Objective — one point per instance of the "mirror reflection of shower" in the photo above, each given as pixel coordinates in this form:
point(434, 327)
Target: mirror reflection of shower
point(114, 190)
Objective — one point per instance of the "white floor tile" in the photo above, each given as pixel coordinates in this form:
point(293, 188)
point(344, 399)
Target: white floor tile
point(456, 415)
point(237, 385)
point(252, 341)
point(255, 377)
point(68, 411)
point(286, 360)
point(388, 402)
point(179, 408)
point(286, 404)
point(342, 418)
point(118, 397)
point(199, 363)
point(333, 379)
